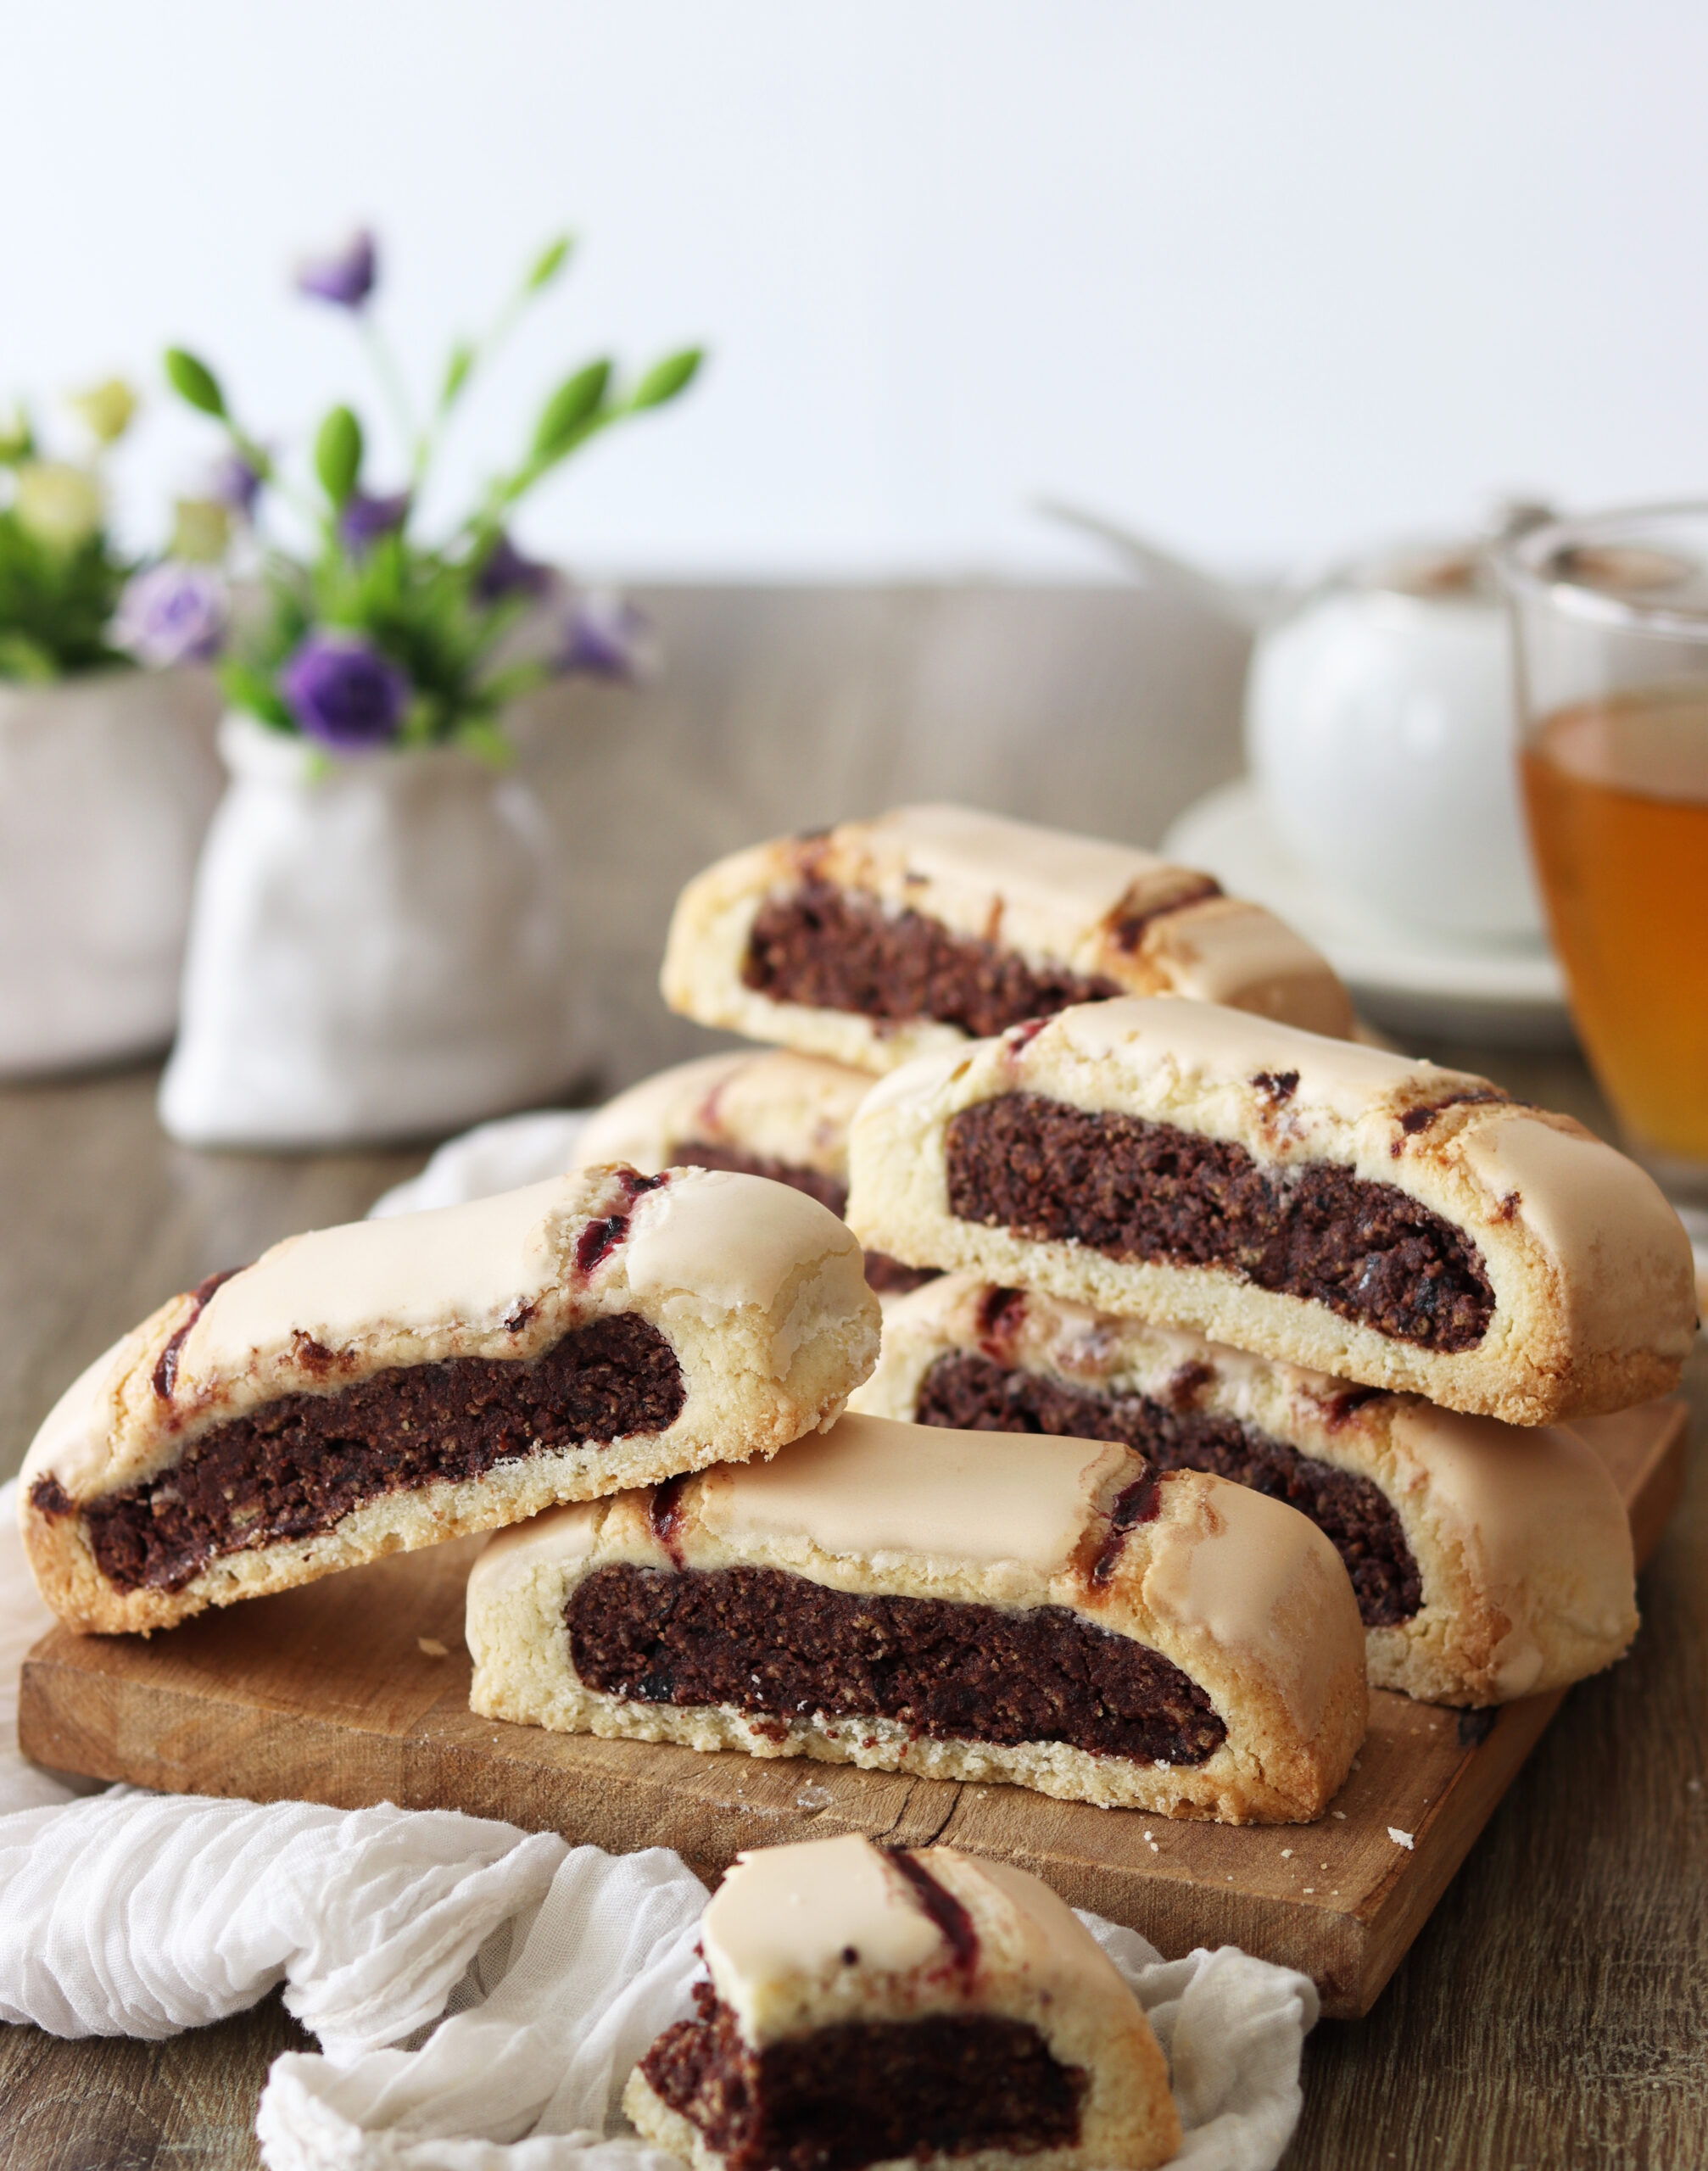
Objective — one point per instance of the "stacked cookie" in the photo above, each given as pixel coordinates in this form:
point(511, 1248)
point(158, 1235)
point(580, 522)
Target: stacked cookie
point(855, 949)
point(906, 1596)
point(1371, 1287)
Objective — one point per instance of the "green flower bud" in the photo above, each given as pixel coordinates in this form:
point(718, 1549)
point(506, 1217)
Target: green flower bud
point(549, 262)
point(105, 410)
point(570, 409)
point(194, 382)
point(338, 454)
point(665, 379)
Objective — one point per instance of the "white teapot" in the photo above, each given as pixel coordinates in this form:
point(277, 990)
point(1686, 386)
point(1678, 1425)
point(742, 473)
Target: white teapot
point(1381, 725)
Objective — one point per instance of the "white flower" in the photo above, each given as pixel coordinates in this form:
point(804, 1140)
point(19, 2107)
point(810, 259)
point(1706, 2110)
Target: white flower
point(105, 410)
point(58, 503)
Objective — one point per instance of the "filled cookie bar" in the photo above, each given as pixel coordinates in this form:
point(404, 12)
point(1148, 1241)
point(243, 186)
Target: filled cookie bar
point(864, 2005)
point(765, 1112)
point(960, 1604)
point(875, 941)
point(1488, 1561)
point(370, 1389)
point(1393, 1224)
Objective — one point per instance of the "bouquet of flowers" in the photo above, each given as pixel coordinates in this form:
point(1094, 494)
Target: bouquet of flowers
point(60, 576)
point(376, 637)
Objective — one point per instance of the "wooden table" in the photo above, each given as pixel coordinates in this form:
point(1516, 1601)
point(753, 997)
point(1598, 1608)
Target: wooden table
point(1555, 2009)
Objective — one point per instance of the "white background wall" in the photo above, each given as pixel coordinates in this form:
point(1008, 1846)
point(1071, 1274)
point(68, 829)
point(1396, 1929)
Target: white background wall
point(1262, 278)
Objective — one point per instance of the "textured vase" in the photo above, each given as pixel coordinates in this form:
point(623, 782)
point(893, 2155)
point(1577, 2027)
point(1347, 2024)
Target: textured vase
point(107, 783)
point(376, 951)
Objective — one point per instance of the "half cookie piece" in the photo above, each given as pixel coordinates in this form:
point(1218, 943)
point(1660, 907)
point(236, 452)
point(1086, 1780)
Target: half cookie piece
point(875, 941)
point(1329, 1204)
point(1488, 1561)
point(763, 1112)
point(867, 2006)
point(958, 1604)
point(370, 1389)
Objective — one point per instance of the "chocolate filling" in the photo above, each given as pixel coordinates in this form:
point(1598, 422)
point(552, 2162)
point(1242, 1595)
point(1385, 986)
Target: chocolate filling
point(834, 949)
point(865, 2092)
point(764, 1640)
point(296, 1466)
point(969, 1393)
point(1137, 1190)
point(887, 1275)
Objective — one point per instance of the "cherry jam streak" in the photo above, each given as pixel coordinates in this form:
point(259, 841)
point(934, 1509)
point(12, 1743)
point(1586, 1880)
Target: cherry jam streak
point(1130, 929)
point(664, 1514)
point(598, 1239)
point(1276, 1086)
point(1141, 1502)
point(1021, 1035)
point(1344, 1407)
point(944, 1909)
point(1002, 1312)
point(166, 1366)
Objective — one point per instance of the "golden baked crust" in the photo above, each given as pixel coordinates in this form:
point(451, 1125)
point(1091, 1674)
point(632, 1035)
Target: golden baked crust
point(827, 1932)
point(1058, 900)
point(1523, 1543)
point(1591, 1271)
point(1248, 1597)
point(759, 1291)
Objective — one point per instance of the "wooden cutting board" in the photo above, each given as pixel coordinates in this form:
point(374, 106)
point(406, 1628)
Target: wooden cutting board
point(354, 1690)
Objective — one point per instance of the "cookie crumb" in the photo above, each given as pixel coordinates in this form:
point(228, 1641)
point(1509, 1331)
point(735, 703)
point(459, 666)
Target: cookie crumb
point(431, 1648)
point(1399, 1838)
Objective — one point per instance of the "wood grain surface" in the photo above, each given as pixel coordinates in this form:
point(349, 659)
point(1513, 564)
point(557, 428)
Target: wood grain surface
point(1553, 2010)
point(354, 1690)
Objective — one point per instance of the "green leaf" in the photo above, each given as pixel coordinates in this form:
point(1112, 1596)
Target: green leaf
point(549, 263)
point(194, 382)
point(456, 370)
point(338, 454)
point(569, 410)
point(667, 379)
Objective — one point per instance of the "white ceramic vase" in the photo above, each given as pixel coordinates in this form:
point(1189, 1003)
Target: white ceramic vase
point(375, 952)
point(107, 781)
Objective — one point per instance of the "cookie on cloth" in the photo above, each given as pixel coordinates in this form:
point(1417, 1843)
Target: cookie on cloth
point(763, 1112)
point(370, 1389)
point(865, 2005)
point(875, 941)
point(960, 1604)
point(1394, 1224)
point(1488, 1561)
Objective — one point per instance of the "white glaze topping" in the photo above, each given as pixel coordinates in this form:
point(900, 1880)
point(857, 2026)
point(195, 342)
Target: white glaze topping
point(1232, 1584)
point(1606, 1223)
point(785, 1916)
point(413, 1273)
point(873, 1485)
point(1162, 1044)
point(71, 1441)
point(721, 1240)
point(1054, 886)
point(559, 1534)
point(1216, 952)
point(1522, 1501)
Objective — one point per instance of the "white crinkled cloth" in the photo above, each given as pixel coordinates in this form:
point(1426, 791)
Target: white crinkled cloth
point(128, 1913)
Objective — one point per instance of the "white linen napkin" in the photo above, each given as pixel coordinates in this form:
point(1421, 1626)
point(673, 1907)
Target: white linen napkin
point(480, 1993)
point(503, 1155)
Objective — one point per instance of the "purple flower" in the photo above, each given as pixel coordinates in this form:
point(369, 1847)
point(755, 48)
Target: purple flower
point(171, 613)
point(505, 573)
point(235, 484)
point(344, 692)
point(364, 519)
point(345, 280)
point(605, 638)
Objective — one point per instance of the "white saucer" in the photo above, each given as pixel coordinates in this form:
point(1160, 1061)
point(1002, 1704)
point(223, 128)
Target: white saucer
point(1510, 993)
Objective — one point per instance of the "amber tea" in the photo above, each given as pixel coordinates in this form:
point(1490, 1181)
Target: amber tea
point(1617, 796)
